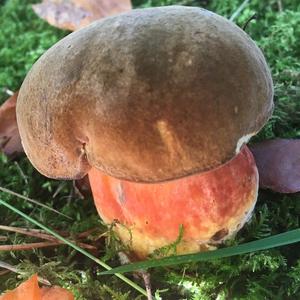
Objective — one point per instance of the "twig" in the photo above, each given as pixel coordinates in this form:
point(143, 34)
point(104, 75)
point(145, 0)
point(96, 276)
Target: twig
point(5, 190)
point(86, 233)
point(124, 259)
point(29, 232)
point(59, 188)
point(146, 277)
point(29, 246)
point(62, 233)
point(39, 234)
point(21, 173)
point(3, 238)
point(11, 268)
point(86, 246)
point(248, 21)
point(4, 272)
point(280, 6)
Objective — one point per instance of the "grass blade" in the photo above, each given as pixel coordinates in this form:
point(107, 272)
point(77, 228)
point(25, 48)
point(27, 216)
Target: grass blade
point(7, 191)
point(282, 239)
point(239, 10)
point(69, 243)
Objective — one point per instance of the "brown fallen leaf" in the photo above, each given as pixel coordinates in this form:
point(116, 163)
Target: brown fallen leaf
point(50, 241)
point(75, 14)
point(10, 142)
point(278, 163)
point(29, 290)
point(56, 293)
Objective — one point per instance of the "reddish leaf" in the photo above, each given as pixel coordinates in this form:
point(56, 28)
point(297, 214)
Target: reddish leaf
point(10, 142)
point(75, 14)
point(56, 293)
point(278, 163)
point(29, 290)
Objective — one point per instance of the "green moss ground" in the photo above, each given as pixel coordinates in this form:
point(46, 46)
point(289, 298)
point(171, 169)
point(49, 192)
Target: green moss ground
point(273, 274)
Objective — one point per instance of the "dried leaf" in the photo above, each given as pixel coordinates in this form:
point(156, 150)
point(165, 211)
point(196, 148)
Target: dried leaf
point(56, 293)
point(10, 141)
point(278, 163)
point(75, 14)
point(29, 290)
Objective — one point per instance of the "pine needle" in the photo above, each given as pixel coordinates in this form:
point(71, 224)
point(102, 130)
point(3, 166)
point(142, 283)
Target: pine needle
point(7, 191)
point(77, 248)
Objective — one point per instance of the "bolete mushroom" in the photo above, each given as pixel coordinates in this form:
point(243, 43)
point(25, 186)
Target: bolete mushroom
point(149, 96)
point(209, 208)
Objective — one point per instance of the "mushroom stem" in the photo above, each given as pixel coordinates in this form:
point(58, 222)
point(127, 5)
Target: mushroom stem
point(209, 207)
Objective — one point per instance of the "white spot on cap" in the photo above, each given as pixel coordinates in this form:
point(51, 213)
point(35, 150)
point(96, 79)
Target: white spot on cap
point(166, 134)
point(189, 62)
point(169, 139)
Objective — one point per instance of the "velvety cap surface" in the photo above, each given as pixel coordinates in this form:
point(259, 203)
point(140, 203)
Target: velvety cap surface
point(150, 95)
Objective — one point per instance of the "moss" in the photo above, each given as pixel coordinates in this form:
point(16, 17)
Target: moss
point(23, 39)
point(277, 33)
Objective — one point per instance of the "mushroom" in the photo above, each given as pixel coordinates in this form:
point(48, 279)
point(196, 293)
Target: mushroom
point(209, 208)
point(152, 96)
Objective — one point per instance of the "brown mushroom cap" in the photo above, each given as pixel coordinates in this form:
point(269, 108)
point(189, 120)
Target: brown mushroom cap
point(149, 95)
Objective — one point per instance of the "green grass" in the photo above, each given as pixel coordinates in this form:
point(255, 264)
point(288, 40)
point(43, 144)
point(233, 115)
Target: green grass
point(23, 38)
point(272, 274)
